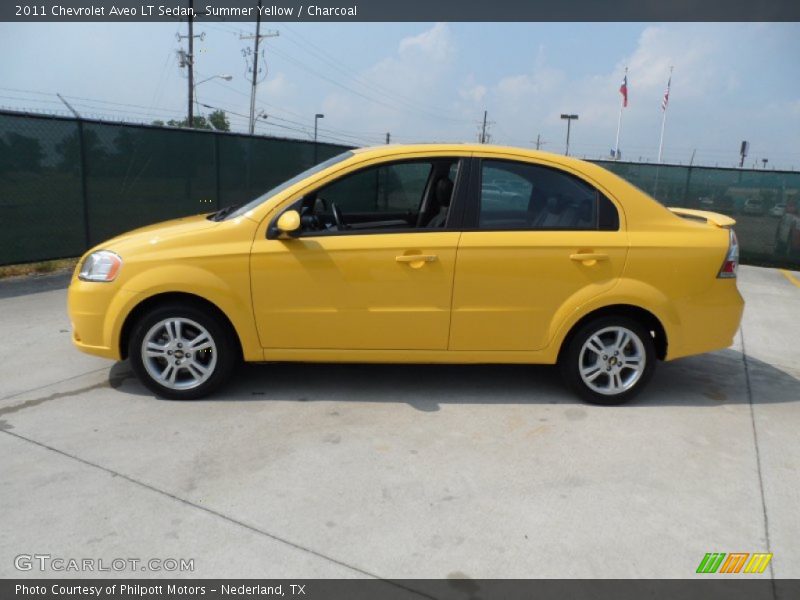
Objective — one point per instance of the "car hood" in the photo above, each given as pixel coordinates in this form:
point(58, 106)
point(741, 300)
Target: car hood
point(157, 233)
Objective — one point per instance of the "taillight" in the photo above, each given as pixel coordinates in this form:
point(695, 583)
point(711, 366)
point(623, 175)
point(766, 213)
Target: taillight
point(731, 262)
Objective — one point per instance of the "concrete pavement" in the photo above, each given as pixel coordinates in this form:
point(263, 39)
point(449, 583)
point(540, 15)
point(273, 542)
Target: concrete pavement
point(402, 471)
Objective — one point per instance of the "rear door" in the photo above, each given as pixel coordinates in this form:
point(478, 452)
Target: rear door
point(538, 241)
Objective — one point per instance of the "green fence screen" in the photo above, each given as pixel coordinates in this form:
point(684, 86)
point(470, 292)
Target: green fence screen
point(68, 184)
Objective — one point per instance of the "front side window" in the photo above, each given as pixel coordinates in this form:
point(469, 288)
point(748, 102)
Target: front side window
point(412, 194)
point(523, 196)
point(384, 189)
point(242, 210)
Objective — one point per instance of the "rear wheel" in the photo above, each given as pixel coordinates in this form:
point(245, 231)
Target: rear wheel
point(182, 352)
point(609, 360)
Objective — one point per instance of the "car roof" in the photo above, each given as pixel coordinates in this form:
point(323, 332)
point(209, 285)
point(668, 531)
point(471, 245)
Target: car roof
point(480, 149)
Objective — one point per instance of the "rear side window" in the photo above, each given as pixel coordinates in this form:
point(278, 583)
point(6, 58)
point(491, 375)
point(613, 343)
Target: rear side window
point(522, 196)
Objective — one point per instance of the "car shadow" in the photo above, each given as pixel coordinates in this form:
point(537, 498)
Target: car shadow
point(706, 380)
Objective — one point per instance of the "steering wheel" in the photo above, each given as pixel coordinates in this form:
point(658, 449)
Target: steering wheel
point(337, 216)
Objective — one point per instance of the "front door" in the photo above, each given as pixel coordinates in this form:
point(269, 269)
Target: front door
point(372, 267)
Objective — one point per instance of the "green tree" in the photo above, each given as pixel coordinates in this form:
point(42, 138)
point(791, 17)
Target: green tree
point(198, 122)
point(216, 120)
point(219, 120)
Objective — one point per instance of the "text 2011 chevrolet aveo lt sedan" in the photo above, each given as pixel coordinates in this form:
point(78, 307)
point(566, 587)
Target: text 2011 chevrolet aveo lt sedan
point(418, 254)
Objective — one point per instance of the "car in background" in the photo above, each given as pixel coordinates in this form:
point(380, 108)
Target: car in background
point(778, 210)
point(753, 207)
point(400, 254)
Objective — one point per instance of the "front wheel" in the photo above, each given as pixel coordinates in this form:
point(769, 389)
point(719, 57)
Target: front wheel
point(182, 352)
point(609, 360)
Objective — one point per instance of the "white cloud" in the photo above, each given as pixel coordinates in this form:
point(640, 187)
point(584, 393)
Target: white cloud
point(278, 87)
point(434, 44)
point(403, 88)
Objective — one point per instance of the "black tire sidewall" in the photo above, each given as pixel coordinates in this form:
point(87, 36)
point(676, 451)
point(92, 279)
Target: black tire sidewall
point(569, 360)
point(227, 355)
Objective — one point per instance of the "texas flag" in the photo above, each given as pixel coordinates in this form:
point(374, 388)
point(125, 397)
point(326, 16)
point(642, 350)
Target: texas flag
point(623, 89)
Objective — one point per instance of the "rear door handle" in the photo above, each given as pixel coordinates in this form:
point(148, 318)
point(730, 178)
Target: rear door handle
point(588, 257)
point(413, 258)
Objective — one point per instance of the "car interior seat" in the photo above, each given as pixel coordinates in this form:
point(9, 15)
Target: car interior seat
point(436, 213)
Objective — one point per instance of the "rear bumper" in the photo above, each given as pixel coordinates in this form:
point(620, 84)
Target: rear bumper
point(708, 321)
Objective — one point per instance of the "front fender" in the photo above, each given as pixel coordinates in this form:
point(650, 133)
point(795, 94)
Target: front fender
point(230, 294)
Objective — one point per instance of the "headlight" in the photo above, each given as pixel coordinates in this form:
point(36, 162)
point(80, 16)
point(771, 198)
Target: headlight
point(102, 265)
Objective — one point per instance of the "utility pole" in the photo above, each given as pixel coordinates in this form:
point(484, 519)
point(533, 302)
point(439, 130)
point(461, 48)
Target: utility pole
point(484, 137)
point(539, 141)
point(190, 65)
point(388, 138)
point(187, 60)
point(257, 40)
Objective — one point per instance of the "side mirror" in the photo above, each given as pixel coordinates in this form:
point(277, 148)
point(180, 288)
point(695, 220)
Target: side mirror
point(288, 223)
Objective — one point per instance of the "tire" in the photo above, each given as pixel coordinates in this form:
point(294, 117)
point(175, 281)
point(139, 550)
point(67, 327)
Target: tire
point(190, 346)
point(612, 382)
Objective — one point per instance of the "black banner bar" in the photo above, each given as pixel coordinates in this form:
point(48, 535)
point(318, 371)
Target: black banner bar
point(401, 10)
point(731, 588)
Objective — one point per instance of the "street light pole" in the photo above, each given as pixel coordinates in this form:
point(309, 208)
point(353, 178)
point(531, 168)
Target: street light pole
point(569, 119)
point(317, 117)
point(194, 88)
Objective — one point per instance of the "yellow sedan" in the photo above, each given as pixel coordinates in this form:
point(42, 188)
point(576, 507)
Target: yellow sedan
point(418, 254)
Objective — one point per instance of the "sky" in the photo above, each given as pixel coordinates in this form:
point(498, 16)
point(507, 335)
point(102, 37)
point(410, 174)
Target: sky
point(432, 82)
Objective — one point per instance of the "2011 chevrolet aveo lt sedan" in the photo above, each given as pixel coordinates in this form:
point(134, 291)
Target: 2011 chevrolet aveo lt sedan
point(418, 254)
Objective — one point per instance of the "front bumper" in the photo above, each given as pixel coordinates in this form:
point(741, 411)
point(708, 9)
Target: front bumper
point(97, 312)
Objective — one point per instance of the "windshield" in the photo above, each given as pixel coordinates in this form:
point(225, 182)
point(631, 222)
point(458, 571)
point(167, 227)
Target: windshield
point(287, 184)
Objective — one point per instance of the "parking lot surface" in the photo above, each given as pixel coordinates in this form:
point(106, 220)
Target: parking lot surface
point(401, 471)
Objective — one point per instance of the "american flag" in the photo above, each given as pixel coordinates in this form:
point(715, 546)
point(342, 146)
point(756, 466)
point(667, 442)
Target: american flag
point(623, 89)
point(665, 101)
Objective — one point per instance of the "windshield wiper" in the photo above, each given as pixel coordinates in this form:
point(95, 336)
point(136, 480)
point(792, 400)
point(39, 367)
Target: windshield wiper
point(223, 212)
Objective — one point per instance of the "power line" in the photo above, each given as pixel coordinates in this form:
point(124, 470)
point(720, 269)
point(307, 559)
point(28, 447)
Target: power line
point(353, 75)
point(397, 101)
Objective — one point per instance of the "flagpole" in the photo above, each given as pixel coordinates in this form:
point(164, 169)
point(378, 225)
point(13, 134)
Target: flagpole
point(661, 141)
point(664, 118)
point(619, 121)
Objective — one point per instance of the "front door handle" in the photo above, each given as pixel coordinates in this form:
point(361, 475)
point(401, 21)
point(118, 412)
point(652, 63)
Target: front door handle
point(588, 258)
point(416, 260)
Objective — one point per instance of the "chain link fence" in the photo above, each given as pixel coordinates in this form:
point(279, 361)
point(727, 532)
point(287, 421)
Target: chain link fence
point(68, 184)
point(765, 204)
